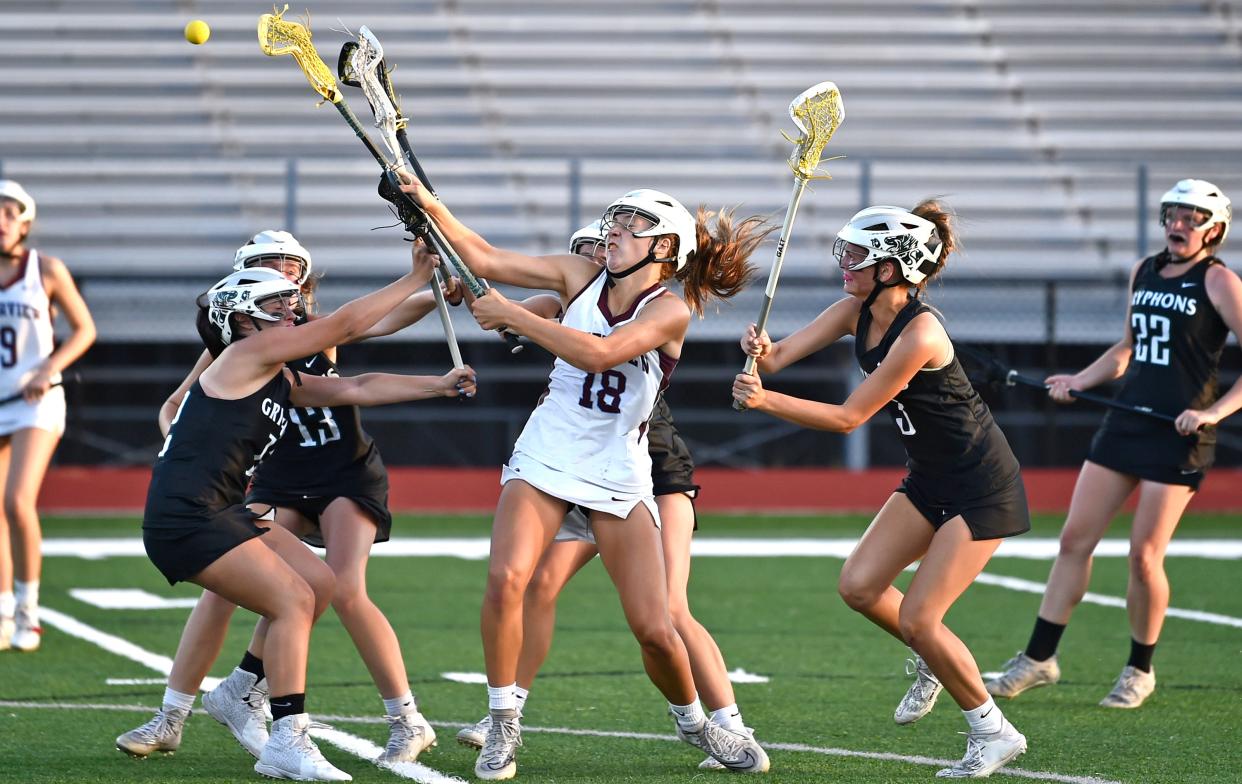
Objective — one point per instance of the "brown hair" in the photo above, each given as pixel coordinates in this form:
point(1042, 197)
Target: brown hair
point(937, 212)
point(720, 267)
point(307, 292)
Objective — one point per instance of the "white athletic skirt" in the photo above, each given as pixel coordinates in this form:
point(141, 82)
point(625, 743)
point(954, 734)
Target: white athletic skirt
point(48, 414)
point(559, 484)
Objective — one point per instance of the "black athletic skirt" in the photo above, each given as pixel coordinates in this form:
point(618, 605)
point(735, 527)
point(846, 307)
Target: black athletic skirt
point(181, 546)
point(374, 503)
point(1151, 449)
point(992, 512)
point(672, 467)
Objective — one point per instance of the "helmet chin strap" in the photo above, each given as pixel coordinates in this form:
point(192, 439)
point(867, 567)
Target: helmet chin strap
point(613, 277)
point(878, 287)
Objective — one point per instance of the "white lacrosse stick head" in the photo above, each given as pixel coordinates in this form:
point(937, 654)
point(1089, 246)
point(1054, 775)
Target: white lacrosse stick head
point(817, 112)
point(365, 62)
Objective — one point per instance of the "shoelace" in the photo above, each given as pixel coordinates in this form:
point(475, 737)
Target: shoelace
point(159, 725)
point(510, 736)
point(974, 754)
point(722, 743)
point(302, 740)
point(924, 681)
point(401, 732)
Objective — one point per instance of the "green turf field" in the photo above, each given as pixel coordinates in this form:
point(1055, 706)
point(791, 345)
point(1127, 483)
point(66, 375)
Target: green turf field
point(833, 678)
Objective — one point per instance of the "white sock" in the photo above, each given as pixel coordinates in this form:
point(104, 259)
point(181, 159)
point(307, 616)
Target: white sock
point(8, 604)
point(27, 594)
point(688, 716)
point(400, 706)
point(176, 699)
point(502, 697)
point(521, 695)
point(729, 717)
point(986, 719)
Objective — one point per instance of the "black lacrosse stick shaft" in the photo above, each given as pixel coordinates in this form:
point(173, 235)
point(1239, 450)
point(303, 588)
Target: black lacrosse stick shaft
point(1014, 377)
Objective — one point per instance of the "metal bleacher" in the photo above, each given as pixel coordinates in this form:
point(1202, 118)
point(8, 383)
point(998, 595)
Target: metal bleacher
point(1031, 119)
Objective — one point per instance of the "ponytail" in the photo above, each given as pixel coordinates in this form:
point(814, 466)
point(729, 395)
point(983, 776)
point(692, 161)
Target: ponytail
point(934, 211)
point(721, 267)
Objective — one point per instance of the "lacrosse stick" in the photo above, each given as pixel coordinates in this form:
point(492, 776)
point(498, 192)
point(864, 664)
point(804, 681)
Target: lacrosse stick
point(996, 373)
point(278, 36)
point(357, 68)
point(361, 64)
point(818, 113)
point(13, 398)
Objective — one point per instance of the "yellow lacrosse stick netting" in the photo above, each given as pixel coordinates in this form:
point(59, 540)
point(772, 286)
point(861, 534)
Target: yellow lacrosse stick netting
point(817, 112)
point(278, 36)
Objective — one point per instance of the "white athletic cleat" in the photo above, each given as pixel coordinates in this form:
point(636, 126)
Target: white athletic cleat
point(985, 754)
point(291, 754)
point(27, 634)
point(408, 736)
point(737, 751)
point(711, 763)
point(921, 696)
point(238, 703)
point(7, 627)
point(162, 733)
point(1022, 673)
point(498, 757)
point(1133, 687)
point(474, 735)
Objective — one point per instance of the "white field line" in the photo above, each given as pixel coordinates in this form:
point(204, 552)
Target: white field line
point(1030, 586)
point(359, 747)
point(1037, 775)
point(477, 548)
point(1044, 549)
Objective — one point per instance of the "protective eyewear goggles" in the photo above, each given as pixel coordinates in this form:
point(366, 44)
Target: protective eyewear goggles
point(1191, 216)
point(292, 267)
point(850, 256)
point(631, 219)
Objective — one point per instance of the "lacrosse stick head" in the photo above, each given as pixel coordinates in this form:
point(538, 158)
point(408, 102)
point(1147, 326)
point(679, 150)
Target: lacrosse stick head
point(381, 71)
point(345, 67)
point(817, 113)
point(279, 36)
point(361, 64)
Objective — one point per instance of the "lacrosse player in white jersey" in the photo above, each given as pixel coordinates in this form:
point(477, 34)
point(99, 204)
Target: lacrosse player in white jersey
point(574, 547)
point(32, 414)
point(585, 444)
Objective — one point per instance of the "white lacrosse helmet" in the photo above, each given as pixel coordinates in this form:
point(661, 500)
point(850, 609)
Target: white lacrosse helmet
point(12, 189)
point(892, 233)
point(667, 215)
point(1200, 195)
point(273, 244)
point(592, 232)
point(241, 292)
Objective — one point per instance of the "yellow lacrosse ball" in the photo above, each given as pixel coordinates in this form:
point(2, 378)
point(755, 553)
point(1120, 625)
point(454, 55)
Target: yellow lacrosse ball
point(197, 32)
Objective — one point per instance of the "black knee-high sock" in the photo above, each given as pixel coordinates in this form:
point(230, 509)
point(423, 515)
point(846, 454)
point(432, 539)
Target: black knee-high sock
point(1044, 639)
point(1140, 655)
point(252, 664)
point(288, 705)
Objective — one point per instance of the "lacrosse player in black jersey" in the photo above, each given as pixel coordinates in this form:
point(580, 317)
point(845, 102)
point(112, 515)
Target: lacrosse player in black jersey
point(963, 493)
point(1183, 304)
point(327, 484)
point(196, 527)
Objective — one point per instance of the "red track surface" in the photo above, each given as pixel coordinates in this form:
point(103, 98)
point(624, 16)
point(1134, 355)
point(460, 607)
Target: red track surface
point(72, 490)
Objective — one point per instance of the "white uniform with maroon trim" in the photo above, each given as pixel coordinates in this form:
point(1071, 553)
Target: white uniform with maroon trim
point(586, 441)
point(26, 340)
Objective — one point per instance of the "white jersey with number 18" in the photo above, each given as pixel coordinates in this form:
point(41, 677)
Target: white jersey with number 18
point(593, 426)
